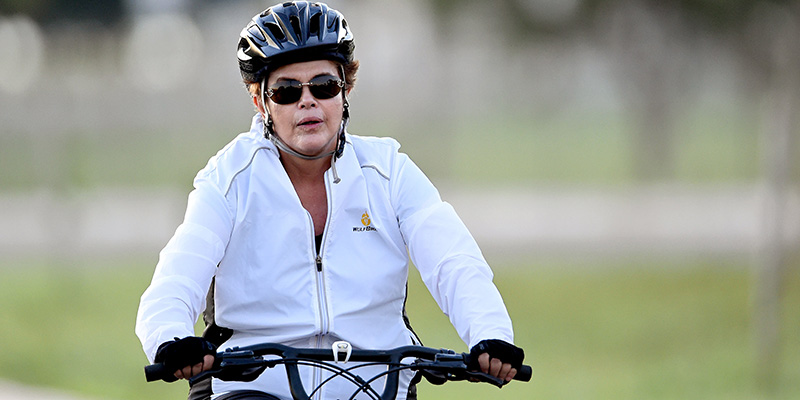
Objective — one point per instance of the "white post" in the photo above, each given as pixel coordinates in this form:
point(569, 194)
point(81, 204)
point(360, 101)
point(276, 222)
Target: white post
point(780, 125)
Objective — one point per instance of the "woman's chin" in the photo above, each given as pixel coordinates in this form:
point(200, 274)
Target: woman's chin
point(316, 145)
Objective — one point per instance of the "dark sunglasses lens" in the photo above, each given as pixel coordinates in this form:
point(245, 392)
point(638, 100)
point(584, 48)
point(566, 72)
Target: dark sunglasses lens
point(286, 93)
point(322, 87)
point(325, 87)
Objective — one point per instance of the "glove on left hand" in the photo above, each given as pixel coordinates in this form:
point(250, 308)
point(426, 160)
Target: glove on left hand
point(499, 349)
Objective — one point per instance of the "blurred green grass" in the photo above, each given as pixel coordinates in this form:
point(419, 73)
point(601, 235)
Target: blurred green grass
point(592, 148)
point(630, 331)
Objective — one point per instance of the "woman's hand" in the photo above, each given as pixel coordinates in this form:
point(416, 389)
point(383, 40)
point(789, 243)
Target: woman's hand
point(496, 368)
point(190, 371)
point(187, 357)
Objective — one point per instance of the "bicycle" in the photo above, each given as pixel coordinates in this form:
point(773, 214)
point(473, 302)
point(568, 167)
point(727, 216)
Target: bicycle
point(248, 362)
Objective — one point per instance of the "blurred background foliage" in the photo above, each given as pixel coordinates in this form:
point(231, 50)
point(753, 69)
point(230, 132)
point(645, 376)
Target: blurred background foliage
point(628, 167)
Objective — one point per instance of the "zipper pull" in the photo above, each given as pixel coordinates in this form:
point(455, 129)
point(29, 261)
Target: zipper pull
point(319, 263)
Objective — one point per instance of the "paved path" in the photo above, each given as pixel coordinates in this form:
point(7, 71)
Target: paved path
point(648, 219)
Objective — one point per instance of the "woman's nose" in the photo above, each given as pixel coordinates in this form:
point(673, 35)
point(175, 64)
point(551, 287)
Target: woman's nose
point(307, 99)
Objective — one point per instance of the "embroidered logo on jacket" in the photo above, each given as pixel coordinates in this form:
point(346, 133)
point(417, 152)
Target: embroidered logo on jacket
point(367, 222)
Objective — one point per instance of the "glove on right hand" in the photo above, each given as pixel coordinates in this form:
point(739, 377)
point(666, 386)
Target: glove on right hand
point(502, 350)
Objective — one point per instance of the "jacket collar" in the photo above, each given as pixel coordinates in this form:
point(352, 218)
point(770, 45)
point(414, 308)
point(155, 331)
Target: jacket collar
point(347, 165)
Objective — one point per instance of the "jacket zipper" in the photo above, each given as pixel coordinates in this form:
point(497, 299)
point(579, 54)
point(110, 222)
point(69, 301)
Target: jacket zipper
point(324, 319)
point(322, 301)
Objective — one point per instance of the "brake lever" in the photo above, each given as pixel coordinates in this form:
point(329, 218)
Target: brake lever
point(239, 366)
point(451, 367)
point(203, 375)
point(484, 377)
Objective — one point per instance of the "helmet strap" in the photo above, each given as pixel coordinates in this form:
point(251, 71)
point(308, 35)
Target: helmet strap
point(345, 115)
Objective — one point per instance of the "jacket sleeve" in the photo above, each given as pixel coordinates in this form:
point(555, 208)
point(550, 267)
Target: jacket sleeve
point(448, 258)
point(176, 296)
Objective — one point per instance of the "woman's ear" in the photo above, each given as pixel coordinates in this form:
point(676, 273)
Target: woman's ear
point(259, 105)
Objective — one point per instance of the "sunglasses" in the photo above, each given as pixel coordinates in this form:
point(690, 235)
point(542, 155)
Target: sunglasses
point(289, 91)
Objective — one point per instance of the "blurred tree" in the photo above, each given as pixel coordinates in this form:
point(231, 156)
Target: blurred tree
point(31, 8)
point(770, 47)
point(47, 12)
point(649, 40)
point(650, 44)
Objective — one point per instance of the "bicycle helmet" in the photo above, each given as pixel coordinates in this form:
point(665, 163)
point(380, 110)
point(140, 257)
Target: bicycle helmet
point(292, 32)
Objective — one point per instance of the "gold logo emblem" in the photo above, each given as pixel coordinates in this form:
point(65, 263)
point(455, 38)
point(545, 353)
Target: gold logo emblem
point(367, 222)
point(365, 219)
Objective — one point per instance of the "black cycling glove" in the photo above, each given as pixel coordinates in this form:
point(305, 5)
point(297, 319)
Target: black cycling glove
point(180, 353)
point(499, 349)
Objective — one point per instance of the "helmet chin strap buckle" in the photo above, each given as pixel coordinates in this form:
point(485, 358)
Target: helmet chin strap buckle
point(343, 350)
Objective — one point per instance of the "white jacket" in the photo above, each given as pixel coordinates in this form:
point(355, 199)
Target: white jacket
point(245, 225)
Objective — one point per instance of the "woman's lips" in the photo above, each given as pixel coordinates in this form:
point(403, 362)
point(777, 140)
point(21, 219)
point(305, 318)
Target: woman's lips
point(309, 122)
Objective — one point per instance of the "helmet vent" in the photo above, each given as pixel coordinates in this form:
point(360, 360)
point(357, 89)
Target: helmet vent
point(244, 47)
point(256, 32)
point(333, 24)
point(276, 31)
point(295, 22)
point(313, 25)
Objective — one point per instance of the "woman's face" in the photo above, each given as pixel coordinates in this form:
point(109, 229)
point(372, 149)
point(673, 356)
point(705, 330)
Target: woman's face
point(309, 125)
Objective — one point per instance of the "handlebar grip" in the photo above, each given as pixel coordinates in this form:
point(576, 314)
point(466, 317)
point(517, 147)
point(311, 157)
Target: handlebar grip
point(158, 372)
point(524, 373)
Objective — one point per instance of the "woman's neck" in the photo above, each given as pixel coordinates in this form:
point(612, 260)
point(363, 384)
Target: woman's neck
point(302, 171)
point(308, 180)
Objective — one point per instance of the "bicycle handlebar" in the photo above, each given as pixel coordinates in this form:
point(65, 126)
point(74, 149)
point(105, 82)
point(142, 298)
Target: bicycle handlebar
point(246, 363)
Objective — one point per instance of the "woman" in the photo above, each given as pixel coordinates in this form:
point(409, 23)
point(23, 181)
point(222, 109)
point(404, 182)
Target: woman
point(305, 230)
